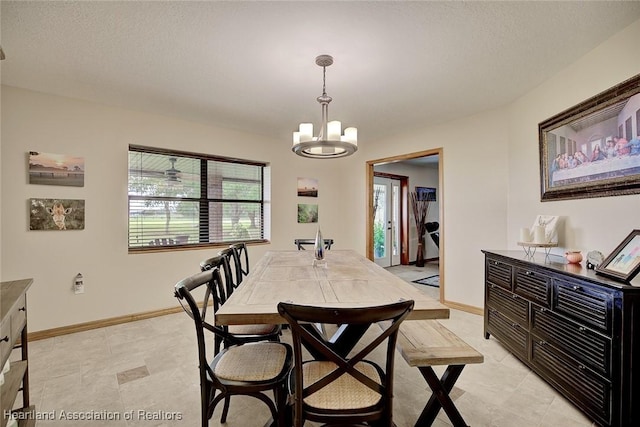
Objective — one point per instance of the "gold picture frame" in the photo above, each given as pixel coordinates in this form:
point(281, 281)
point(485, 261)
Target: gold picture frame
point(593, 148)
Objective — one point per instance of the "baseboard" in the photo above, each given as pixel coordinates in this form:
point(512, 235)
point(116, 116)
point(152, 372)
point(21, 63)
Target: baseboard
point(464, 307)
point(86, 326)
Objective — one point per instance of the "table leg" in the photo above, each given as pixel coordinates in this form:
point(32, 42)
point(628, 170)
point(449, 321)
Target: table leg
point(440, 397)
point(342, 341)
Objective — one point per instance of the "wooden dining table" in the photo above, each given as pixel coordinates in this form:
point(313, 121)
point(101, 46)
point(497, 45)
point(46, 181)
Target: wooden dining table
point(344, 279)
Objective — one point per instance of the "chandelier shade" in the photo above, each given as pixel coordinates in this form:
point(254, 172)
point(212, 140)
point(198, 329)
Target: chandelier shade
point(330, 143)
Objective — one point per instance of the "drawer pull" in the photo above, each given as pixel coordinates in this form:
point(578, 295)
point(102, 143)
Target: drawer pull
point(542, 343)
point(582, 329)
point(515, 325)
point(514, 296)
point(582, 367)
point(529, 273)
point(542, 310)
point(492, 286)
point(577, 288)
point(5, 339)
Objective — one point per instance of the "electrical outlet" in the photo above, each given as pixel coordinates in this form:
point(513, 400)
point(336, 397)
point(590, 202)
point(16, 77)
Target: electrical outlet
point(78, 284)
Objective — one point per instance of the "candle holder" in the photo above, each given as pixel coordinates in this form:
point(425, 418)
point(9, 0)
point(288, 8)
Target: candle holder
point(530, 248)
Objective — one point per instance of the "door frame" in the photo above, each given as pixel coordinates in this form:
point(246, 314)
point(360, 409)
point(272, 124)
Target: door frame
point(404, 215)
point(369, 220)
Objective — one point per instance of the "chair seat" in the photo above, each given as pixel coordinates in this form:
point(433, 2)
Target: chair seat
point(262, 361)
point(344, 393)
point(252, 329)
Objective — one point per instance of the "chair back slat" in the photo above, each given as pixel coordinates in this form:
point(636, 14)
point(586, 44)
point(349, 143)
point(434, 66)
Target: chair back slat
point(241, 258)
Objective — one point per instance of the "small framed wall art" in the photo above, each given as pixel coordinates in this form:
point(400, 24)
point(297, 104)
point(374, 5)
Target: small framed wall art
point(307, 187)
point(56, 214)
point(307, 213)
point(56, 169)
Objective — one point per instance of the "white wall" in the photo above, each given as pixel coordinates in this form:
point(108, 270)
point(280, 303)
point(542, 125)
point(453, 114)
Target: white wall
point(590, 224)
point(473, 194)
point(118, 283)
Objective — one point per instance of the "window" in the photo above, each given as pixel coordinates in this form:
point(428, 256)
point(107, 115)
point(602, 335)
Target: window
point(179, 199)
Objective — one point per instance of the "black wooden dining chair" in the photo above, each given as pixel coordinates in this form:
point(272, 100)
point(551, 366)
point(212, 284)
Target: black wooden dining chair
point(336, 388)
point(249, 369)
point(241, 333)
point(241, 260)
point(301, 243)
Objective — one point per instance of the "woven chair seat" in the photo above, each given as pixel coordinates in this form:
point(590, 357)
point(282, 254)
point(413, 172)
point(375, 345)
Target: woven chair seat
point(252, 329)
point(252, 362)
point(344, 393)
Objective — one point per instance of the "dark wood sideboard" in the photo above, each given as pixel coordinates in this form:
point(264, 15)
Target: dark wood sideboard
point(574, 328)
point(13, 336)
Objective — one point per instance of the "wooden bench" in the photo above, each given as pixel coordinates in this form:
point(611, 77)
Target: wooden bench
point(426, 343)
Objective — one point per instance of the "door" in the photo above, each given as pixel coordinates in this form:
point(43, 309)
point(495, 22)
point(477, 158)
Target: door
point(386, 221)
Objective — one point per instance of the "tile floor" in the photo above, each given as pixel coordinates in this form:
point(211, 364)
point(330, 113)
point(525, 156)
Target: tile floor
point(145, 374)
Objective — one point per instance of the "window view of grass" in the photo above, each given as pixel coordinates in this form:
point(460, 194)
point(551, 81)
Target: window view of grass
point(168, 204)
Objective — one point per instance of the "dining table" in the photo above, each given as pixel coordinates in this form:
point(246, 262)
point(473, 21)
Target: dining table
point(344, 278)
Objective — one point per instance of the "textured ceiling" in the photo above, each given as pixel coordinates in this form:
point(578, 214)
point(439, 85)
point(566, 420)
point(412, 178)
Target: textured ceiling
point(250, 65)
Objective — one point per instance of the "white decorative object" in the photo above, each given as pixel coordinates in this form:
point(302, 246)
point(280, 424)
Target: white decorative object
point(550, 226)
point(538, 234)
point(525, 235)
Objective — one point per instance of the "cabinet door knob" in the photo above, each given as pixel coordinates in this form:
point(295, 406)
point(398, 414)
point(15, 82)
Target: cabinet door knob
point(22, 309)
point(514, 296)
point(542, 343)
point(582, 329)
point(5, 339)
point(529, 273)
point(542, 310)
point(577, 288)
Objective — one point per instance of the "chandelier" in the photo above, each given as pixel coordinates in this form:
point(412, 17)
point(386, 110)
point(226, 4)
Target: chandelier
point(330, 142)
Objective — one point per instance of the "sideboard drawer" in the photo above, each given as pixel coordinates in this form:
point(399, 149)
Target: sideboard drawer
point(508, 303)
point(512, 334)
point(588, 305)
point(590, 391)
point(532, 285)
point(6, 339)
point(18, 316)
point(585, 345)
point(499, 273)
